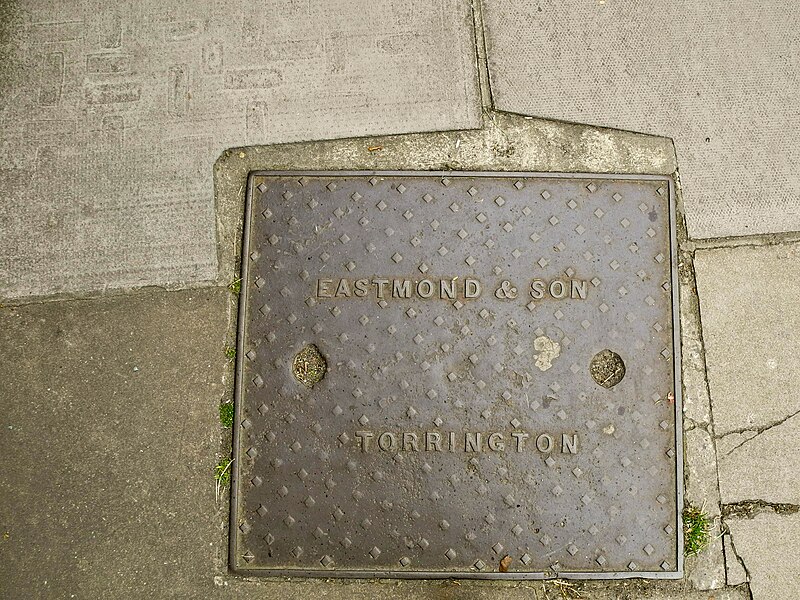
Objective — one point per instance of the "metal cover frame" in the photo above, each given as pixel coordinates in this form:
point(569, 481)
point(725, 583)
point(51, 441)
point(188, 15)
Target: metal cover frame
point(394, 574)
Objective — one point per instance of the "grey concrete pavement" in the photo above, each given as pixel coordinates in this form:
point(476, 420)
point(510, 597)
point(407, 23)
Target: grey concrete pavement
point(112, 115)
point(109, 436)
point(720, 78)
point(767, 544)
point(123, 463)
point(750, 317)
point(751, 324)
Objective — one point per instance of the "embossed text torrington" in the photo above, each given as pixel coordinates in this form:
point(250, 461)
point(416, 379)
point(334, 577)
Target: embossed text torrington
point(442, 372)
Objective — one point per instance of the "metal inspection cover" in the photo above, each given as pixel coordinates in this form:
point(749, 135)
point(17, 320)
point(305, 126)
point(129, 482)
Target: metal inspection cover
point(457, 375)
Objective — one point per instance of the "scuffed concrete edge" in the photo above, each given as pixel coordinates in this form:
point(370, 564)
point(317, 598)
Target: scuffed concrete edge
point(706, 571)
point(506, 143)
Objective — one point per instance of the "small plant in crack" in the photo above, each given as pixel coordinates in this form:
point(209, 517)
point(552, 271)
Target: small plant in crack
point(222, 475)
point(696, 530)
point(222, 472)
point(230, 353)
point(235, 286)
point(226, 414)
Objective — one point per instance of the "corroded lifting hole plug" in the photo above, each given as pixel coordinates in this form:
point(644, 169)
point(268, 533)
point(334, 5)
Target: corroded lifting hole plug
point(607, 368)
point(309, 366)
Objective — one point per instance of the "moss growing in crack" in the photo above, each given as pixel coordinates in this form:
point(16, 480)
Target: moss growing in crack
point(230, 352)
point(226, 414)
point(696, 530)
point(235, 286)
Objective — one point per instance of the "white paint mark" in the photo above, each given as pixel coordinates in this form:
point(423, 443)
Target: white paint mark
point(548, 349)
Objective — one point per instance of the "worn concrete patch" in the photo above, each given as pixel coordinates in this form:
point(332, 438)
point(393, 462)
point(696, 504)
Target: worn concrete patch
point(768, 545)
point(751, 326)
point(696, 399)
point(685, 70)
point(112, 115)
point(765, 467)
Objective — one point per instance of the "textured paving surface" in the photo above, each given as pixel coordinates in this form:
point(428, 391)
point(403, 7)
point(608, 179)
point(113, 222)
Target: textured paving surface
point(112, 114)
point(721, 78)
point(768, 545)
point(751, 325)
point(372, 466)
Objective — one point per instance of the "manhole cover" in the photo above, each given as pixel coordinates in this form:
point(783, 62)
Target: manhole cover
point(457, 375)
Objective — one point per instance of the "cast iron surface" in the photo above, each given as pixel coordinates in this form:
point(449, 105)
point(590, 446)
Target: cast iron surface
point(458, 422)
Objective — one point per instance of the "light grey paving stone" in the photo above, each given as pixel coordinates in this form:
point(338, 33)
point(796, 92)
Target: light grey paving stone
point(112, 114)
point(721, 78)
point(751, 328)
point(765, 467)
point(734, 569)
point(769, 545)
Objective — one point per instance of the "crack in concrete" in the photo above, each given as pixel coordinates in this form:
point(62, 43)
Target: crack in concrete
point(756, 430)
point(748, 241)
point(748, 509)
point(481, 56)
point(738, 558)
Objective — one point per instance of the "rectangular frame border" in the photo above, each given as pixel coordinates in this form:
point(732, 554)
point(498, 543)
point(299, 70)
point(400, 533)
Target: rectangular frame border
point(678, 573)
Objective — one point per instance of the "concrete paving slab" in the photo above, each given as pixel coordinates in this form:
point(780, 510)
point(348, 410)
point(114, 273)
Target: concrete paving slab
point(719, 77)
point(765, 467)
point(109, 434)
point(768, 545)
point(112, 114)
point(751, 327)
